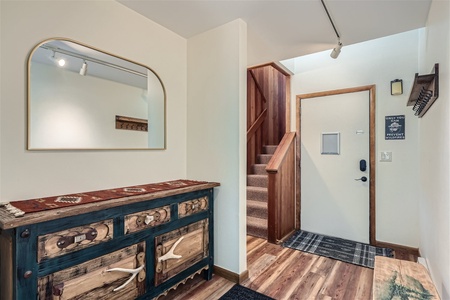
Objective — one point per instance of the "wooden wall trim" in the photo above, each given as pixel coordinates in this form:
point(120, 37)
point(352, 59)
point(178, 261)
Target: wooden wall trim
point(281, 190)
point(231, 276)
point(410, 250)
point(372, 149)
point(279, 67)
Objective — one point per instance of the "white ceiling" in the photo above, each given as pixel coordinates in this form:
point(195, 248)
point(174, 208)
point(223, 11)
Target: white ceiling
point(279, 30)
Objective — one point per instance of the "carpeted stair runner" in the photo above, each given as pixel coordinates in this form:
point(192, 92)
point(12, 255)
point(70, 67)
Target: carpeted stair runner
point(257, 195)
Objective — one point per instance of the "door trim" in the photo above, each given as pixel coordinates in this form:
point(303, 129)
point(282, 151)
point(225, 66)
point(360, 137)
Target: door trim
point(372, 153)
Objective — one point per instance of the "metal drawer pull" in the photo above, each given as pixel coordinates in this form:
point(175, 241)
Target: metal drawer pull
point(149, 219)
point(170, 255)
point(133, 272)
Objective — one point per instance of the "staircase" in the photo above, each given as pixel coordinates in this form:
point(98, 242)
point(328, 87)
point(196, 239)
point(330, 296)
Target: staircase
point(257, 195)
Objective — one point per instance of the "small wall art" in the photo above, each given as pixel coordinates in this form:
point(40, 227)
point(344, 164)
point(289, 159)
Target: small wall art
point(395, 127)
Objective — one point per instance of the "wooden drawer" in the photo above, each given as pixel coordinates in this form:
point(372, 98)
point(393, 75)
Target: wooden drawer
point(179, 249)
point(74, 239)
point(145, 219)
point(191, 207)
point(96, 278)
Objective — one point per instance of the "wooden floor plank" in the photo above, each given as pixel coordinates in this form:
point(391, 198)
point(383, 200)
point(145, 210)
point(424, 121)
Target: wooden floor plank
point(293, 275)
point(260, 265)
point(284, 273)
point(308, 288)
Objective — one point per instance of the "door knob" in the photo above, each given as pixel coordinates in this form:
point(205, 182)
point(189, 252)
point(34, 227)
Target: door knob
point(363, 179)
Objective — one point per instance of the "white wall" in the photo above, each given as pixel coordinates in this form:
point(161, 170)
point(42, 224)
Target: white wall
point(434, 131)
point(217, 132)
point(378, 62)
point(109, 26)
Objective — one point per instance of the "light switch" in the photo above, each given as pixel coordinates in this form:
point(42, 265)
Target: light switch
point(386, 156)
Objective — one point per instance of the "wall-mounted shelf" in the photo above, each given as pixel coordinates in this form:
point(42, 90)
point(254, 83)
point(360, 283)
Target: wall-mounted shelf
point(424, 92)
point(130, 123)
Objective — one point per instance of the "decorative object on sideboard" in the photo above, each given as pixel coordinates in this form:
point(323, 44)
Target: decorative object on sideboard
point(19, 208)
point(424, 92)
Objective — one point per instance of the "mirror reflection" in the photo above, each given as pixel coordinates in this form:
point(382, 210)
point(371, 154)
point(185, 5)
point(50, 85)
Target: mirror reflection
point(83, 98)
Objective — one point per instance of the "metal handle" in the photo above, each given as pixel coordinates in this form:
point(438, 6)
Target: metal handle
point(363, 179)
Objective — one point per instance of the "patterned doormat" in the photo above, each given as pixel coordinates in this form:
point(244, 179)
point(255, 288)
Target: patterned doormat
point(337, 248)
point(239, 292)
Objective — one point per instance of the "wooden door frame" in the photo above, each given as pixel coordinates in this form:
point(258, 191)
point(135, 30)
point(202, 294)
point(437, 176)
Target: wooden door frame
point(372, 153)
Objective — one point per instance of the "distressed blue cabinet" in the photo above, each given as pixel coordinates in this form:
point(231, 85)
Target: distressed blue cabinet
point(123, 248)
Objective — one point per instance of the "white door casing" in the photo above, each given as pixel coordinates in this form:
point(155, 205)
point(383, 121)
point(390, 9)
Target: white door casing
point(332, 201)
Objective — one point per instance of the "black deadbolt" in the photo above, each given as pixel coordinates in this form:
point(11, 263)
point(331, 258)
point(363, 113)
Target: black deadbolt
point(362, 165)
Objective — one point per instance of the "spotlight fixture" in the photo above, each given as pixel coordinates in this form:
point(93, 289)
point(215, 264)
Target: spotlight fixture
point(83, 69)
point(337, 50)
point(397, 87)
point(60, 61)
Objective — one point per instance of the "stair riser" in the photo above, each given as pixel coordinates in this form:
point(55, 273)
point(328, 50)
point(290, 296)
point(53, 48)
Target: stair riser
point(257, 231)
point(259, 169)
point(257, 181)
point(270, 149)
point(257, 195)
point(257, 212)
point(264, 158)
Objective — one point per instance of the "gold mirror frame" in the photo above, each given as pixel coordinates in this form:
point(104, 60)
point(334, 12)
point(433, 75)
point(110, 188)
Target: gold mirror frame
point(129, 126)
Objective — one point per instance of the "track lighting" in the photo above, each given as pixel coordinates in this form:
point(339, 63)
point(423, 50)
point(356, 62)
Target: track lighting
point(336, 51)
point(83, 69)
point(60, 61)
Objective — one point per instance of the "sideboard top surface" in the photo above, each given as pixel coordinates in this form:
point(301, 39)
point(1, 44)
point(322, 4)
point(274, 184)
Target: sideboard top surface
point(8, 221)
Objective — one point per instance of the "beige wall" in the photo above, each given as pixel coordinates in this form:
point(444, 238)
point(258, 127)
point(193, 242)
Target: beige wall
point(217, 132)
point(434, 132)
point(109, 26)
point(378, 62)
point(215, 122)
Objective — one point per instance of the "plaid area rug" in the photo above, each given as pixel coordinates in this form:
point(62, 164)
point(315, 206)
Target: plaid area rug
point(239, 292)
point(337, 248)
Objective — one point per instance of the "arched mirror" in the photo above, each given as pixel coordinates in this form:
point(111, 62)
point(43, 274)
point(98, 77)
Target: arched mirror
point(80, 97)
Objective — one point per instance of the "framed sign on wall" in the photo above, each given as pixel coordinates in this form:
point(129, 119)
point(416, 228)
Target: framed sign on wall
point(395, 127)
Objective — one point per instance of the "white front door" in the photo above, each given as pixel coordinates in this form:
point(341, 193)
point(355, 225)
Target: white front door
point(333, 202)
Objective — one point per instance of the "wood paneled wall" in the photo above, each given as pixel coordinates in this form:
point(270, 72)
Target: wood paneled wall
point(268, 87)
point(282, 190)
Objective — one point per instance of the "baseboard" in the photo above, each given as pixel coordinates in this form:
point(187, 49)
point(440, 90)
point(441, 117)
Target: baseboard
point(410, 250)
point(231, 276)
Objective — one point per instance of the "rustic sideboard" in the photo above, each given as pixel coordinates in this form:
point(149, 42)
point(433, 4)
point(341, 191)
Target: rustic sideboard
point(123, 247)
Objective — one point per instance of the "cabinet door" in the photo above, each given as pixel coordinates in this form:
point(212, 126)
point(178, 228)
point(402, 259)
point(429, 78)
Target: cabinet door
point(99, 278)
point(179, 249)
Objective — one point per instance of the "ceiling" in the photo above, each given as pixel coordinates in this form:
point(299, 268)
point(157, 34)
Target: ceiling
point(279, 30)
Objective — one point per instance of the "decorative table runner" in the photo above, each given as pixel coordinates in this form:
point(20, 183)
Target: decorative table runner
point(19, 208)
